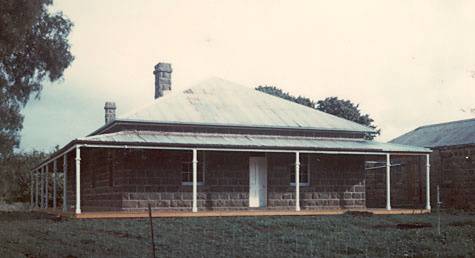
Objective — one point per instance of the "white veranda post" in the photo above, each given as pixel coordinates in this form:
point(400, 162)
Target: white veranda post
point(37, 177)
point(388, 182)
point(195, 180)
point(46, 186)
point(42, 192)
point(32, 187)
point(297, 181)
point(65, 175)
point(78, 180)
point(55, 168)
point(427, 182)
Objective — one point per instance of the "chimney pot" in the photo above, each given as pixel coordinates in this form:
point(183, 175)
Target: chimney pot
point(109, 109)
point(163, 79)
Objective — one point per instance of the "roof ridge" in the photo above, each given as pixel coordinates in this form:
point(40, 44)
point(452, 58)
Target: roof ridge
point(446, 123)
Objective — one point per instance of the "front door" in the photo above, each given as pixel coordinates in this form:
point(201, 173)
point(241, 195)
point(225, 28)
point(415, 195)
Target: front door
point(257, 182)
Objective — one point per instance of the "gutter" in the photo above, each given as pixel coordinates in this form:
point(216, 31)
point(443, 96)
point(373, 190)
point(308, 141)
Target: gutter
point(127, 145)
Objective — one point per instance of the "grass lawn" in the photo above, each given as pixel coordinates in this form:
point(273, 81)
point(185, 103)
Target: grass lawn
point(40, 235)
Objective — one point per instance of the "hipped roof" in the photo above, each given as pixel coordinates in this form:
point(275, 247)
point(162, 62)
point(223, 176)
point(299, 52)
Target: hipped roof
point(220, 102)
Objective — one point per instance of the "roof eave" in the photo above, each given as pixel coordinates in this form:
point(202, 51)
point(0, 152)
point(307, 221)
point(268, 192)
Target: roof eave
point(147, 122)
point(85, 143)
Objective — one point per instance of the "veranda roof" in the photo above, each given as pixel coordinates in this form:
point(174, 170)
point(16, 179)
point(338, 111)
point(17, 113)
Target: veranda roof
point(240, 141)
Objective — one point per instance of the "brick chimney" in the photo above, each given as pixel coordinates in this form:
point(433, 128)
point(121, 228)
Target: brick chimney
point(109, 109)
point(163, 79)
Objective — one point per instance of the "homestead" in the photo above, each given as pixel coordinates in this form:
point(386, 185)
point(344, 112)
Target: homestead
point(219, 146)
point(453, 169)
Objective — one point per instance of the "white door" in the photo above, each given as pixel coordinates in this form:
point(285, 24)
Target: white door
point(257, 182)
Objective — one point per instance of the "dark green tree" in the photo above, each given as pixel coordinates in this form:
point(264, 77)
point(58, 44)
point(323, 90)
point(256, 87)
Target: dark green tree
point(15, 175)
point(272, 90)
point(347, 110)
point(332, 105)
point(33, 47)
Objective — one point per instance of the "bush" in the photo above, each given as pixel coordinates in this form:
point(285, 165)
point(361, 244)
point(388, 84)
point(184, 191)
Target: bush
point(15, 175)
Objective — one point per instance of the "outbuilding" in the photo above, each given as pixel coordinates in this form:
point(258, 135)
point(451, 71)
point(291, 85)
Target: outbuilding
point(453, 167)
point(217, 146)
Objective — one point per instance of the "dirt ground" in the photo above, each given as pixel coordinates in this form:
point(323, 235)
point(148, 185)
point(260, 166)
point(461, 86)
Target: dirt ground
point(30, 234)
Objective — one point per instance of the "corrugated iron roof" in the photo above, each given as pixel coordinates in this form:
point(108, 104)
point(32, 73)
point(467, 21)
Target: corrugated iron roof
point(248, 141)
point(439, 135)
point(219, 102)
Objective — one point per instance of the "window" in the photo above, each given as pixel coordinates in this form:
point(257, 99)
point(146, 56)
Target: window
point(304, 171)
point(187, 169)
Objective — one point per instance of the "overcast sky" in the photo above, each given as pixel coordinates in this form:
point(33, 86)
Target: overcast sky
point(406, 63)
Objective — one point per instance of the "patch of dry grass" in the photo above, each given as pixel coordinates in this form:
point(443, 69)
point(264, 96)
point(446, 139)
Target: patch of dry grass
point(41, 235)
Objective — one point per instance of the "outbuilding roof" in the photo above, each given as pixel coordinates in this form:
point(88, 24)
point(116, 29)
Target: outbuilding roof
point(245, 141)
point(220, 102)
point(440, 135)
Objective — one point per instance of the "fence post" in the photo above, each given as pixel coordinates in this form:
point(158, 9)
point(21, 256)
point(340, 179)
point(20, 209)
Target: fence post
point(151, 229)
point(438, 209)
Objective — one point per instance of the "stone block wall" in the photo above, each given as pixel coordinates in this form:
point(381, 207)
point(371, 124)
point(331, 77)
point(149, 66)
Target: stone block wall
point(453, 169)
point(130, 179)
point(335, 182)
point(97, 192)
point(159, 181)
point(71, 181)
point(118, 179)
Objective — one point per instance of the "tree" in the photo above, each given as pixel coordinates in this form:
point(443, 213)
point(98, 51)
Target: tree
point(272, 90)
point(332, 105)
point(15, 175)
point(347, 110)
point(34, 46)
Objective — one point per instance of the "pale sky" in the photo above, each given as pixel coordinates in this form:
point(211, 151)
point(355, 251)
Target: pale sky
point(407, 63)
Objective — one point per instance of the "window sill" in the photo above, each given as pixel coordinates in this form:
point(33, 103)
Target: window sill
point(301, 184)
point(191, 184)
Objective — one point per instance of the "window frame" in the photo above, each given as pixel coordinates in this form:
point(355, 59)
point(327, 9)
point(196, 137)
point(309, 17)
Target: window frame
point(203, 169)
point(292, 170)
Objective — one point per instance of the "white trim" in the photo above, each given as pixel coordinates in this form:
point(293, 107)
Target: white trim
point(258, 181)
point(31, 190)
point(297, 181)
point(301, 184)
point(191, 183)
point(42, 190)
point(47, 187)
point(427, 183)
point(54, 178)
point(95, 145)
point(241, 150)
point(388, 182)
point(308, 173)
point(65, 182)
point(37, 179)
point(392, 165)
point(46, 162)
point(195, 178)
point(203, 168)
point(78, 179)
